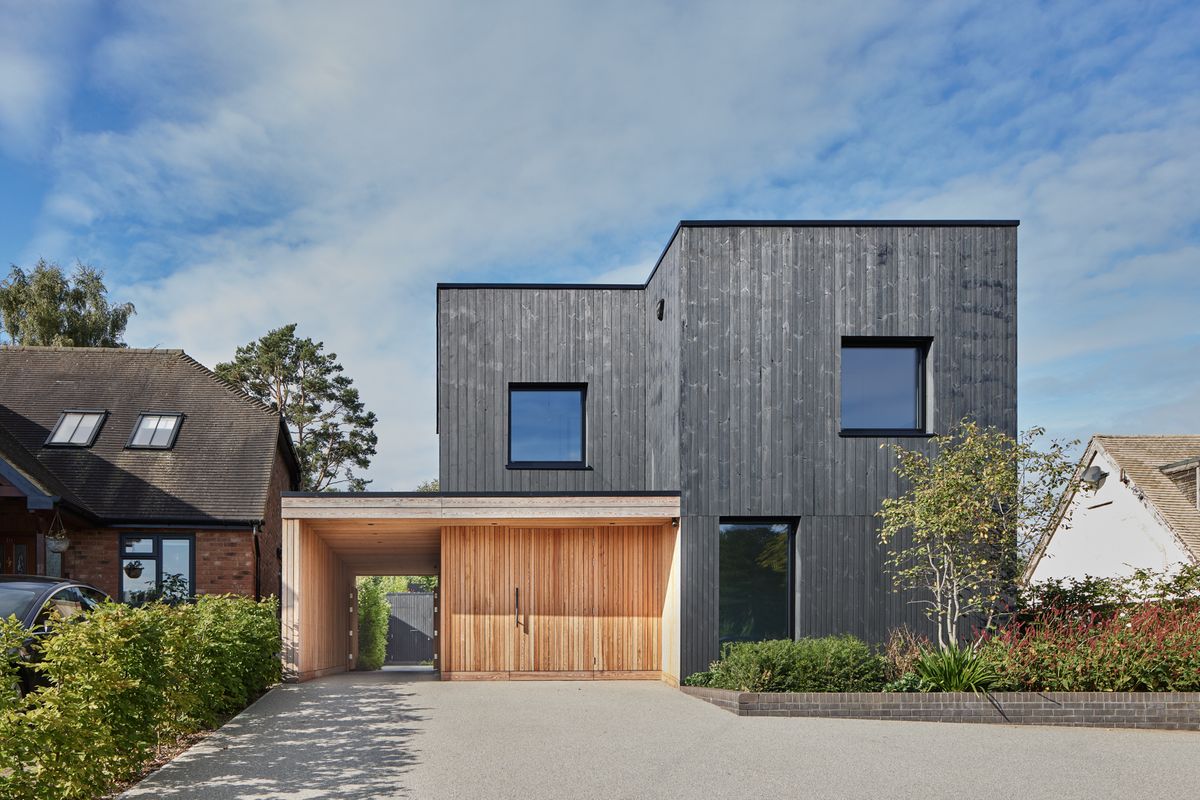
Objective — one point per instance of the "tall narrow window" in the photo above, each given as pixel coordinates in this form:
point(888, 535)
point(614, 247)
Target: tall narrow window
point(883, 386)
point(755, 581)
point(155, 566)
point(546, 426)
point(76, 429)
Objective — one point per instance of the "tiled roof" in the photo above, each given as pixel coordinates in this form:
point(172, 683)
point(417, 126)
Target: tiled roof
point(1143, 458)
point(219, 469)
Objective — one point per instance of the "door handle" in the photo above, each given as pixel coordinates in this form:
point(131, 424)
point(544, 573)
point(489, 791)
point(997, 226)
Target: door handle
point(517, 604)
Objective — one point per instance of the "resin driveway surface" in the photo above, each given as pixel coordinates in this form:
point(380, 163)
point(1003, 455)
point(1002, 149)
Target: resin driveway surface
point(390, 734)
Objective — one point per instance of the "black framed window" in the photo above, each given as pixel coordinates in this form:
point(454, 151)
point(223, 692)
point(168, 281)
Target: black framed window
point(157, 566)
point(546, 427)
point(883, 386)
point(76, 428)
point(155, 431)
point(756, 565)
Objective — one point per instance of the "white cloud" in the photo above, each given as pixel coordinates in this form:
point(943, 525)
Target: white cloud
point(288, 163)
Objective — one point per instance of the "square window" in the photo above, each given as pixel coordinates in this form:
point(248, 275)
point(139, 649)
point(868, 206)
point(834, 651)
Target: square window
point(755, 569)
point(76, 428)
point(546, 426)
point(155, 431)
point(156, 567)
point(883, 386)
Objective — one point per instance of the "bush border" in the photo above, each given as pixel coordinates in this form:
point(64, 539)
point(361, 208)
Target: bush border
point(1146, 710)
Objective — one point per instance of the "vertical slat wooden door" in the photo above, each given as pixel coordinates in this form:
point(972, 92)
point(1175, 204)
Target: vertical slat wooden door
point(564, 601)
point(591, 601)
point(483, 569)
point(630, 586)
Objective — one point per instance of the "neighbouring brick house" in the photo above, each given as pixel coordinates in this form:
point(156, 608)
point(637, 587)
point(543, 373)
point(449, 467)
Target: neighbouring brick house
point(164, 477)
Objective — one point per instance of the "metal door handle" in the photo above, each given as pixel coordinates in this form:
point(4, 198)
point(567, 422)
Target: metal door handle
point(517, 603)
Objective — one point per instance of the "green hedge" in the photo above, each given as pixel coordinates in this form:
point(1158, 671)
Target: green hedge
point(121, 683)
point(373, 614)
point(830, 664)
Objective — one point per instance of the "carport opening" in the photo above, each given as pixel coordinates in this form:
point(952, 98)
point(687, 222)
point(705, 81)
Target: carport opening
point(397, 623)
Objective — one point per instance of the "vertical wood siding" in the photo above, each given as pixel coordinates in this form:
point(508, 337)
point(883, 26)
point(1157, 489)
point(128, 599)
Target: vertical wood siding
point(733, 398)
point(591, 599)
point(489, 338)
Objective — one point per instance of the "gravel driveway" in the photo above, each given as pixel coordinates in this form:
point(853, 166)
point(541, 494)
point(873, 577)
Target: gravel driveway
point(396, 734)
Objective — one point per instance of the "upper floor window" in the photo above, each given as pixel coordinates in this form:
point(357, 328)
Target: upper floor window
point(883, 385)
point(156, 431)
point(76, 428)
point(546, 425)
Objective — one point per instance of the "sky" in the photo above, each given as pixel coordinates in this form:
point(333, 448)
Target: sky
point(236, 166)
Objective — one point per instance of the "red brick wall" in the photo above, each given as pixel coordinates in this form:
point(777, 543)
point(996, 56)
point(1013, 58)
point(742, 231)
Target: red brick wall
point(270, 538)
point(225, 562)
point(93, 558)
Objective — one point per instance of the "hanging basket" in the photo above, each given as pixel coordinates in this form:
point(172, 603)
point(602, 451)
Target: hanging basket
point(57, 544)
point(133, 569)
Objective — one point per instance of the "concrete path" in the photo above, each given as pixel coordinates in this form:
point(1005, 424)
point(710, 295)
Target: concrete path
point(400, 735)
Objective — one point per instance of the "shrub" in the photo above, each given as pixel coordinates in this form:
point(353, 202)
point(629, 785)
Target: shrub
point(121, 683)
point(373, 614)
point(831, 664)
point(908, 682)
point(954, 669)
point(901, 652)
point(1153, 647)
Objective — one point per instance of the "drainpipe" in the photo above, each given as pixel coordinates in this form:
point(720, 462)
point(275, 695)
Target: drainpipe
point(254, 531)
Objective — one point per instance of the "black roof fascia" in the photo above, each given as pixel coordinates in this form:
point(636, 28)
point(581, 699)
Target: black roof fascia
point(638, 493)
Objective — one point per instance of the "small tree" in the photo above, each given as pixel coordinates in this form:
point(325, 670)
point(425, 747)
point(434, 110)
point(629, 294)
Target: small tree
point(332, 430)
point(432, 486)
point(963, 531)
point(48, 307)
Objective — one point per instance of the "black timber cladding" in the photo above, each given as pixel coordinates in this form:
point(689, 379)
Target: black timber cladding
point(740, 388)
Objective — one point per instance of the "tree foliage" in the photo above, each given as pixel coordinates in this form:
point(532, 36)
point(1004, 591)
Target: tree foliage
point(48, 307)
point(963, 531)
point(333, 432)
point(373, 614)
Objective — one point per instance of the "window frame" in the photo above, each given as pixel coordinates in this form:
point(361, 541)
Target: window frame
point(922, 345)
point(582, 388)
point(155, 555)
point(129, 445)
point(63, 415)
point(793, 524)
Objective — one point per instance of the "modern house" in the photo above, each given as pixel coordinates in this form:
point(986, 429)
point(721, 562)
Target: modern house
point(164, 478)
point(1137, 507)
point(633, 474)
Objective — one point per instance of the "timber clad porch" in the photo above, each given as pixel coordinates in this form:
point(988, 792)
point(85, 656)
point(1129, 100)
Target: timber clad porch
point(542, 586)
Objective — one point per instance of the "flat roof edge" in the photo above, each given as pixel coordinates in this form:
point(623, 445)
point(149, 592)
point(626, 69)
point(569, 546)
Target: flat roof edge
point(436, 495)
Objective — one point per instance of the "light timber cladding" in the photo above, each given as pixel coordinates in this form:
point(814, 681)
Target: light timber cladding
point(565, 602)
point(733, 396)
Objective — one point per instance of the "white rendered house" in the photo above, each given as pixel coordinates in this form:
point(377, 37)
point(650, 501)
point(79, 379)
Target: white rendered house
point(1137, 507)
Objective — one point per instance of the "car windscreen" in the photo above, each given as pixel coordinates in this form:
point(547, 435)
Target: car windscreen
point(17, 600)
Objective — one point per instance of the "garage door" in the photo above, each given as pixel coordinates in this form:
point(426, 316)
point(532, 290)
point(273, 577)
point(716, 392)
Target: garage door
point(553, 602)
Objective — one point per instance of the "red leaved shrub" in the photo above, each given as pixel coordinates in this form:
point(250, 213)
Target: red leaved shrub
point(1150, 647)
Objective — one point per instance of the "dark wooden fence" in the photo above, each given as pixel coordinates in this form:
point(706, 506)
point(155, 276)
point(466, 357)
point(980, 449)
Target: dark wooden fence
point(410, 628)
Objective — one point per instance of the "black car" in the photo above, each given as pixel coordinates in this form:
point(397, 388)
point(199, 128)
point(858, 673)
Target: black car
point(32, 599)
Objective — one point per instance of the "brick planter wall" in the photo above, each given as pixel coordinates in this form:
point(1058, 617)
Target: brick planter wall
point(1161, 710)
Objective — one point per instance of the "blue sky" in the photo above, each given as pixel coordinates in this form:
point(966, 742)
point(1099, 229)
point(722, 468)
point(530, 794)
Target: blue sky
point(237, 166)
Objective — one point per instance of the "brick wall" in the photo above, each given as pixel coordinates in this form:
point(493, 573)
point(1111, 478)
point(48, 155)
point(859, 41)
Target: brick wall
point(225, 562)
point(271, 536)
point(93, 558)
point(1162, 710)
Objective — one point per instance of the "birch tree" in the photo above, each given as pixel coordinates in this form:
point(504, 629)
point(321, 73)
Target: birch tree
point(962, 532)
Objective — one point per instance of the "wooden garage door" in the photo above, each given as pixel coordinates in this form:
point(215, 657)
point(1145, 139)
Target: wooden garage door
point(541, 602)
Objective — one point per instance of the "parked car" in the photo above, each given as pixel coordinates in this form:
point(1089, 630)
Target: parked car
point(32, 599)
